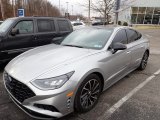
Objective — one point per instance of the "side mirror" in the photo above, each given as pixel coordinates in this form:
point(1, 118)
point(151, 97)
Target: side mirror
point(14, 31)
point(57, 40)
point(118, 46)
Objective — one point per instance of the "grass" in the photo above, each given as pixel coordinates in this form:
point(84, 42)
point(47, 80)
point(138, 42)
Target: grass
point(141, 27)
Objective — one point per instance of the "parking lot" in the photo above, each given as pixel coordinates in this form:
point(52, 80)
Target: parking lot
point(135, 97)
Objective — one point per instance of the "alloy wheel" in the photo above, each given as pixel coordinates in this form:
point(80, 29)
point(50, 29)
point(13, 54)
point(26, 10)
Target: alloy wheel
point(90, 93)
point(144, 60)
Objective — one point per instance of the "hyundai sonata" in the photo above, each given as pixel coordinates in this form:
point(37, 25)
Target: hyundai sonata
point(55, 80)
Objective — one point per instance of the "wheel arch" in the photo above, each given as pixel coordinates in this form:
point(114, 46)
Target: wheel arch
point(101, 78)
point(96, 71)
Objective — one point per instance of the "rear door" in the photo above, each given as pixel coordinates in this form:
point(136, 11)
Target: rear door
point(14, 45)
point(46, 31)
point(136, 47)
point(64, 27)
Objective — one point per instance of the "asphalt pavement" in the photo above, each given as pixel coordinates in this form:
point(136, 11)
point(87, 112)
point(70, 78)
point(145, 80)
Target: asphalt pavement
point(135, 97)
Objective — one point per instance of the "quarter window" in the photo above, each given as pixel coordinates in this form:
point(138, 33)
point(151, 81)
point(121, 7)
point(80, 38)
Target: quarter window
point(63, 25)
point(132, 35)
point(120, 37)
point(25, 27)
point(45, 26)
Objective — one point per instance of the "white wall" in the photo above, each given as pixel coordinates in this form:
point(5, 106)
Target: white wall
point(125, 15)
point(125, 10)
point(145, 3)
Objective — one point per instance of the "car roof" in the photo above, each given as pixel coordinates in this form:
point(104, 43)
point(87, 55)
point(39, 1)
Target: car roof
point(107, 27)
point(39, 17)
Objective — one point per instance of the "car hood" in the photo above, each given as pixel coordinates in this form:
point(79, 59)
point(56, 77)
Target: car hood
point(33, 63)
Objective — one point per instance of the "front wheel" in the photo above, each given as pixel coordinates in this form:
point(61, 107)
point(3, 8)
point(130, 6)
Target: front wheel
point(88, 93)
point(144, 61)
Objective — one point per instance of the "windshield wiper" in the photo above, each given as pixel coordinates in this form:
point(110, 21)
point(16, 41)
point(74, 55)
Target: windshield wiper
point(72, 46)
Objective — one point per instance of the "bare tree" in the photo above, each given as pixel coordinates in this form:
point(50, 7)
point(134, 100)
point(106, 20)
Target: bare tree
point(103, 7)
point(8, 8)
point(2, 9)
point(13, 7)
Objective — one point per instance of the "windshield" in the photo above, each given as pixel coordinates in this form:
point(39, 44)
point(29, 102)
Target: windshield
point(5, 25)
point(88, 38)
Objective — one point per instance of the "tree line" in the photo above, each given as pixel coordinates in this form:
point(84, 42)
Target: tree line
point(9, 8)
point(103, 7)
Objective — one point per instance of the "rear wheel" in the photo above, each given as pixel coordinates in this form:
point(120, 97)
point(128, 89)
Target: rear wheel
point(144, 61)
point(88, 93)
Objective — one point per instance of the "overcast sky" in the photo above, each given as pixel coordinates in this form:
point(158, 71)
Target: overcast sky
point(77, 6)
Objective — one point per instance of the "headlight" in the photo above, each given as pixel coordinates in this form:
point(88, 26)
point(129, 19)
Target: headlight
point(52, 83)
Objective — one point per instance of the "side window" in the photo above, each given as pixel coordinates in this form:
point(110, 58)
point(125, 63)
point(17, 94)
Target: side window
point(132, 35)
point(120, 37)
point(63, 25)
point(25, 27)
point(45, 25)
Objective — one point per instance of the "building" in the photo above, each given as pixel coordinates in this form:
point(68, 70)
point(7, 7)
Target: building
point(140, 11)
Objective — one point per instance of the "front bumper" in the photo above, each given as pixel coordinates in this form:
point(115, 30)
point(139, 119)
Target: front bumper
point(65, 106)
point(30, 112)
point(47, 105)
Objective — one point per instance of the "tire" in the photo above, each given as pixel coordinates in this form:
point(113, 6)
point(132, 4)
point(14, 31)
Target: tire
point(88, 93)
point(144, 61)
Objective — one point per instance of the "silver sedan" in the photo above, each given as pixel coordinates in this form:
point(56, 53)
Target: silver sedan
point(55, 80)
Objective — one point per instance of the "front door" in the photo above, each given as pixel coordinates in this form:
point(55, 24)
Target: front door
point(117, 64)
point(21, 42)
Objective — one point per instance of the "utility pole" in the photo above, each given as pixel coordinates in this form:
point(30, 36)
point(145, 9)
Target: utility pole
point(67, 12)
point(67, 6)
point(46, 8)
point(62, 10)
point(59, 4)
point(89, 11)
point(117, 6)
point(2, 9)
point(72, 9)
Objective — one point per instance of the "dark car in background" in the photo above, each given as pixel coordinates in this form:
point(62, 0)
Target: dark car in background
point(20, 34)
point(97, 23)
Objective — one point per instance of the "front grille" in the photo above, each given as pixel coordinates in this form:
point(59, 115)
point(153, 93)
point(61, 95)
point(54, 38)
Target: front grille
point(19, 90)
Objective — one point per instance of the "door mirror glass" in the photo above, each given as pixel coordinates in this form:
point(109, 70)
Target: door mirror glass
point(118, 46)
point(14, 31)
